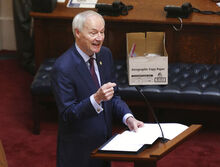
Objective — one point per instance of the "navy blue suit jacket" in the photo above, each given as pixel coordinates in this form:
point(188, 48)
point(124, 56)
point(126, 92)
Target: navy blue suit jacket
point(81, 129)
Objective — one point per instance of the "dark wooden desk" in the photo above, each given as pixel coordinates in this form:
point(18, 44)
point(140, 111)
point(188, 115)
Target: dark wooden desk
point(150, 156)
point(198, 41)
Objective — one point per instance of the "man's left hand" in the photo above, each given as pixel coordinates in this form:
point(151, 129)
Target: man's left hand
point(134, 124)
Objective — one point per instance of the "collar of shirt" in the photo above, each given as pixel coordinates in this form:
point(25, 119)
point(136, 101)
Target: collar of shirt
point(84, 56)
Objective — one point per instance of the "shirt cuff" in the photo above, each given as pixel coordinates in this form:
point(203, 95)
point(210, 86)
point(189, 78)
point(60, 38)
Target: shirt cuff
point(126, 116)
point(96, 106)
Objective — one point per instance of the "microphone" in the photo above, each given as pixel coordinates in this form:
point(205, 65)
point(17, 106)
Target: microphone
point(164, 140)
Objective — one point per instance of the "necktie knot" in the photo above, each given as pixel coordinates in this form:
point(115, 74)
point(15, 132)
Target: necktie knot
point(91, 62)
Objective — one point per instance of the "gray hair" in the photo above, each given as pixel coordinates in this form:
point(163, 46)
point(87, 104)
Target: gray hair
point(80, 18)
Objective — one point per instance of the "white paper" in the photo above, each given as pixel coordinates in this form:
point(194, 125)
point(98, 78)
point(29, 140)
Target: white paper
point(120, 143)
point(133, 141)
point(81, 3)
point(171, 130)
point(61, 1)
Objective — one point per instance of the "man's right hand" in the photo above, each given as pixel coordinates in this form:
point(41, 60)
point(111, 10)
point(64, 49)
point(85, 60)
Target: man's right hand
point(105, 92)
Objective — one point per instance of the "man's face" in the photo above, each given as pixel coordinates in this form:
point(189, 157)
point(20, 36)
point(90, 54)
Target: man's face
point(91, 38)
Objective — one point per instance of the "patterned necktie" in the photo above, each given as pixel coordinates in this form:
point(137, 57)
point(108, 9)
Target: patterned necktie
point(92, 71)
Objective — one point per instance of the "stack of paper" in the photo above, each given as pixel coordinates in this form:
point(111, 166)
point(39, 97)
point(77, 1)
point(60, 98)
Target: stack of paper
point(130, 141)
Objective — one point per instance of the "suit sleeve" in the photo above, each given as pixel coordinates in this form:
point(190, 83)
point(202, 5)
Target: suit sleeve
point(71, 105)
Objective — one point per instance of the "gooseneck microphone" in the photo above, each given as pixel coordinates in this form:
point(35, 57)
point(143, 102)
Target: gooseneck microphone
point(149, 107)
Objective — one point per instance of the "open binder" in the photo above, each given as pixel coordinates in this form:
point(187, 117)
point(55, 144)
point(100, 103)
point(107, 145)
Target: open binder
point(135, 142)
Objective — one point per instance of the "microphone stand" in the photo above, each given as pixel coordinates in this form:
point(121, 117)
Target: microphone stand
point(164, 140)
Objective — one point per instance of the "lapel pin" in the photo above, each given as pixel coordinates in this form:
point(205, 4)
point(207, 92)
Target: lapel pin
point(100, 62)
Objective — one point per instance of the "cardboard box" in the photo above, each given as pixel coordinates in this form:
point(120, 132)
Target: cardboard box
point(147, 59)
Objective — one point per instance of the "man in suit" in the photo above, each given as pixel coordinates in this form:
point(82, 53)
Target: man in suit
point(86, 105)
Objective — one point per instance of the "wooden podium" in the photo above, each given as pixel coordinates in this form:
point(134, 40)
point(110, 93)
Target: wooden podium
point(150, 156)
